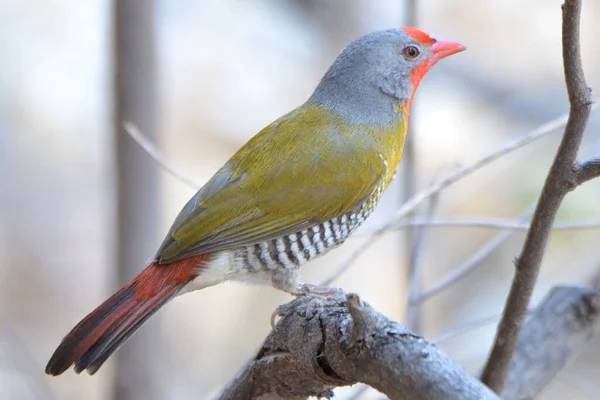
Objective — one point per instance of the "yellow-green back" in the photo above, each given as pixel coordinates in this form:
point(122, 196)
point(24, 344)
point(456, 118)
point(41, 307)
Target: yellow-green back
point(307, 167)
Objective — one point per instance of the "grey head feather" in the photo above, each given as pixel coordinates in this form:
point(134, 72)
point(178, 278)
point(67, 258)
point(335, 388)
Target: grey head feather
point(369, 77)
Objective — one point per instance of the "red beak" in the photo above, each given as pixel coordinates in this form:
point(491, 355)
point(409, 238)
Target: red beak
point(443, 49)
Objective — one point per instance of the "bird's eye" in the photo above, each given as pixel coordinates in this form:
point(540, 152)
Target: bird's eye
point(411, 51)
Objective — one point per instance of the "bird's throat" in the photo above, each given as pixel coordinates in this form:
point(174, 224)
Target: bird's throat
point(417, 76)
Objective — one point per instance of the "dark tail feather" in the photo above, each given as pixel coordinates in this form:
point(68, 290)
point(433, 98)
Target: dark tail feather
point(105, 329)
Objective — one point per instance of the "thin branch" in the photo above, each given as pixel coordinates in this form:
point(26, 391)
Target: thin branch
point(490, 223)
point(320, 344)
point(411, 204)
point(561, 179)
point(587, 170)
point(413, 312)
point(499, 224)
point(472, 262)
point(555, 332)
point(133, 131)
point(468, 327)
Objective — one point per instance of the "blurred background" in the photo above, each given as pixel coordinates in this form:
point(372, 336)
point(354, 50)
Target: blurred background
point(211, 75)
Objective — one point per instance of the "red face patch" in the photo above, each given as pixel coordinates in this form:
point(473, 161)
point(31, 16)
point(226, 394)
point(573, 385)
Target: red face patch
point(417, 76)
point(419, 36)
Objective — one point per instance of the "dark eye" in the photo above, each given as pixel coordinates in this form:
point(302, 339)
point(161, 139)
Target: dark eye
point(410, 51)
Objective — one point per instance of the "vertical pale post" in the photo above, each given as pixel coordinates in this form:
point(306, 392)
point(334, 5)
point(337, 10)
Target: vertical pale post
point(408, 172)
point(140, 360)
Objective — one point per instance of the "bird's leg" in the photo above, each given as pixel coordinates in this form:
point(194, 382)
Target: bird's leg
point(313, 305)
point(287, 281)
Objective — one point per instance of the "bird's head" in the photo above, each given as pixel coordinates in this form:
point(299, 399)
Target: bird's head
point(391, 62)
point(420, 52)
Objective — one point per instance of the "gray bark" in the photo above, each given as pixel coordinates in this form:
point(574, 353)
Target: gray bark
point(564, 176)
point(320, 344)
point(556, 332)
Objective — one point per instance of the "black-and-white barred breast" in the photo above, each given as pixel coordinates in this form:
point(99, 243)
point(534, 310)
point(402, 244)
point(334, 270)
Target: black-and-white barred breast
point(293, 250)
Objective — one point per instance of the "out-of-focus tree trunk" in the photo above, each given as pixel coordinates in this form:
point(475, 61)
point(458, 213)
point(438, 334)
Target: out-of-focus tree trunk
point(408, 172)
point(5, 183)
point(139, 362)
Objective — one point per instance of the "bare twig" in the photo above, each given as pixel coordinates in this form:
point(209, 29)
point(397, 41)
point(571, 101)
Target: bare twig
point(413, 312)
point(411, 204)
point(562, 178)
point(559, 328)
point(471, 263)
point(133, 131)
point(319, 344)
point(489, 223)
point(468, 327)
point(587, 170)
point(555, 332)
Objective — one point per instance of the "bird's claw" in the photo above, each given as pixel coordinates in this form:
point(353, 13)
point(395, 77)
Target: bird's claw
point(274, 315)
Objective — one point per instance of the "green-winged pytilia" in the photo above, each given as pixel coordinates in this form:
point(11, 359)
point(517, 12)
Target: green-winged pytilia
point(293, 192)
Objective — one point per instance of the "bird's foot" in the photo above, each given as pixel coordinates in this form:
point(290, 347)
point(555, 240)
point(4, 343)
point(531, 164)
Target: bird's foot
point(317, 290)
point(303, 289)
point(314, 304)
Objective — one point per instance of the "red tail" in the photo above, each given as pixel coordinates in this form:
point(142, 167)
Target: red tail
point(100, 334)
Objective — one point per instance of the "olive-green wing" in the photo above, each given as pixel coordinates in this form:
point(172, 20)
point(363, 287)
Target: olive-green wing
point(303, 169)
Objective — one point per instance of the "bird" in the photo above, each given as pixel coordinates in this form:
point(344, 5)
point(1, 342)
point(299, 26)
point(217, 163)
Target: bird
point(296, 190)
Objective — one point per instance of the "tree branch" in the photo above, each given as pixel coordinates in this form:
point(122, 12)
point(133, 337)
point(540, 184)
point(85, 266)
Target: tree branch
point(413, 310)
point(587, 170)
point(468, 327)
point(492, 223)
point(471, 263)
point(319, 344)
point(145, 143)
point(561, 179)
point(557, 331)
